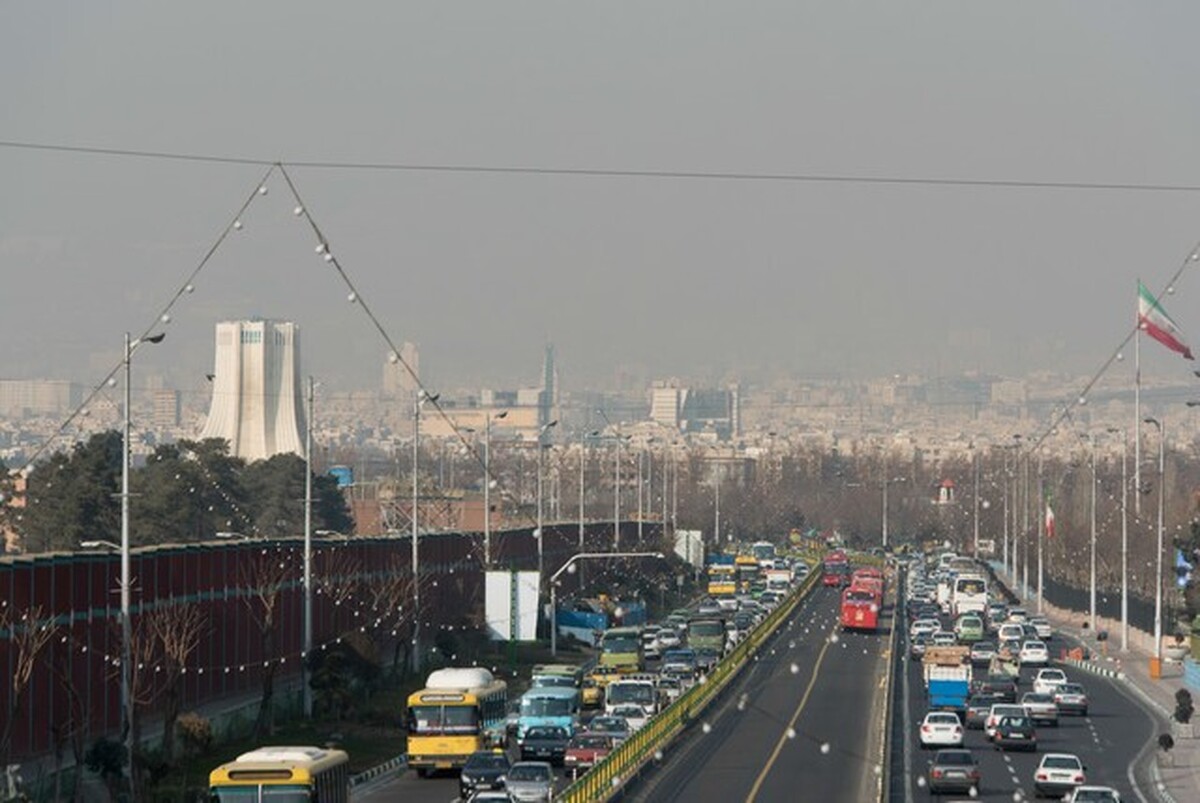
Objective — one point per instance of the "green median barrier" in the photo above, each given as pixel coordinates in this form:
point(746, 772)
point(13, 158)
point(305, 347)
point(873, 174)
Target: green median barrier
point(606, 777)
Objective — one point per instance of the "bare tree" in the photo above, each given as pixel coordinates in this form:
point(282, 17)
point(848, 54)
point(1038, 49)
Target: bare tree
point(264, 578)
point(71, 730)
point(28, 633)
point(341, 577)
point(390, 593)
point(177, 630)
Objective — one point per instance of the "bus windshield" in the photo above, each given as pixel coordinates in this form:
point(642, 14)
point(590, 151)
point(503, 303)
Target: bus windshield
point(434, 719)
point(641, 693)
point(621, 643)
point(970, 586)
point(545, 707)
point(713, 628)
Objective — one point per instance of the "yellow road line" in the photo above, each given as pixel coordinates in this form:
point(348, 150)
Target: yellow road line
point(783, 737)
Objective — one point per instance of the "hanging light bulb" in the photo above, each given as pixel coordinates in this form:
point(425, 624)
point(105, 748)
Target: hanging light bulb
point(237, 224)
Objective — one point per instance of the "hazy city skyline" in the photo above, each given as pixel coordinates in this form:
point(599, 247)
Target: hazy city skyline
point(708, 279)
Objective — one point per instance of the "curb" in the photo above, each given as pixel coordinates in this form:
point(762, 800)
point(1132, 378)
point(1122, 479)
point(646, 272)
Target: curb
point(399, 763)
point(1088, 666)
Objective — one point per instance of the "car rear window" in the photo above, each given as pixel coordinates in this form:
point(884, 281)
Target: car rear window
point(1061, 762)
point(956, 758)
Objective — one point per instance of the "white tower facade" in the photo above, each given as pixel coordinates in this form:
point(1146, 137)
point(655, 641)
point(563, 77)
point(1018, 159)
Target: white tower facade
point(257, 403)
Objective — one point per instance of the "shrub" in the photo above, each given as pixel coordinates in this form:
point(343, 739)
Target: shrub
point(1183, 706)
point(195, 732)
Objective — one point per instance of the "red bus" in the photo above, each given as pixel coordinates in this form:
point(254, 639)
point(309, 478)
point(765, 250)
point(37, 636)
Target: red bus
point(860, 609)
point(835, 572)
point(869, 579)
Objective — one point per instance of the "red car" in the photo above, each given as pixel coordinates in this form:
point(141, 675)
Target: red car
point(585, 750)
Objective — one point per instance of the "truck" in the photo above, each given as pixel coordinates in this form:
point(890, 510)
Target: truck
point(947, 672)
point(707, 633)
point(779, 579)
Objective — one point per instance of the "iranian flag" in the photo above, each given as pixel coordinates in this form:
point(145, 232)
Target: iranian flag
point(1049, 519)
point(1154, 321)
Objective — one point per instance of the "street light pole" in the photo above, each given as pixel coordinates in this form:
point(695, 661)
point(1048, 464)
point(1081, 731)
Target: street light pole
point(1092, 573)
point(1124, 536)
point(541, 446)
point(975, 504)
point(127, 702)
point(1158, 584)
point(567, 567)
point(419, 398)
point(487, 487)
point(308, 506)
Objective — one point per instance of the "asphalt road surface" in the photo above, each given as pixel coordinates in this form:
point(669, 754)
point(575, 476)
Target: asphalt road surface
point(1108, 740)
point(798, 724)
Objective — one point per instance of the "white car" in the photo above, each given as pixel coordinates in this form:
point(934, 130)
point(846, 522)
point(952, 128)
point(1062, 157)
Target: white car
point(1041, 707)
point(1034, 653)
point(1059, 774)
point(1018, 615)
point(1000, 711)
point(943, 639)
point(667, 639)
point(1042, 625)
point(1048, 680)
point(925, 626)
point(633, 714)
point(941, 729)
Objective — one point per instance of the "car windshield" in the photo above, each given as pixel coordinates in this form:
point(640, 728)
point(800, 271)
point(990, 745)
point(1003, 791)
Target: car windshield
point(943, 719)
point(590, 742)
point(620, 644)
point(545, 733)
point(608, 724)
point(529, 772)
point(1037, 698)
point(630, 693)
point(545, 707)
point(955, 758)
point(1014, 722)
point(1070, 688)
point(1095, 796)
point(1061, 763)
point(1034, 645)
point(984, 646)
point(487, 761)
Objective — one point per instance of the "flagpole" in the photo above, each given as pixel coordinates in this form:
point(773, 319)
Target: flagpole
point(1041, 535)
point(1137, 413)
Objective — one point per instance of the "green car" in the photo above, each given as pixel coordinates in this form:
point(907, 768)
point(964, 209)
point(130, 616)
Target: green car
point(969, 628)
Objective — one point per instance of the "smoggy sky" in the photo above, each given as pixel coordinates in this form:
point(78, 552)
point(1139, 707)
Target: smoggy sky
point(697, 277)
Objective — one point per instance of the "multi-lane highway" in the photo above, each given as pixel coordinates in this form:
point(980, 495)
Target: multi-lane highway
point(1108, 740)
point(799, 723)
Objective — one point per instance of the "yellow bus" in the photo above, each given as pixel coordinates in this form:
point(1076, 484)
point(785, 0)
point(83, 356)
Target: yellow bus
point(460, 711)
point(283, 775)
point(722, 580)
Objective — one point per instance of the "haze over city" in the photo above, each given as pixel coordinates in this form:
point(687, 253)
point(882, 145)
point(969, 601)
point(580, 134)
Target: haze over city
point(712, 278)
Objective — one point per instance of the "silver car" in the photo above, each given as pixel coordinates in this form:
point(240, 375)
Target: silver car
point(530, 782)
point(1041, 707)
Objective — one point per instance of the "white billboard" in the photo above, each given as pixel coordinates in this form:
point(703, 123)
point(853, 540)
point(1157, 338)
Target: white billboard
point(689, 545)
point(511, 602)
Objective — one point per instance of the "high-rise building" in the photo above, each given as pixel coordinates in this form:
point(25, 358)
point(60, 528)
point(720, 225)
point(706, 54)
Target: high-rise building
point(548, 396)
point(257, 402)
point(166, 409)
point(398, 383)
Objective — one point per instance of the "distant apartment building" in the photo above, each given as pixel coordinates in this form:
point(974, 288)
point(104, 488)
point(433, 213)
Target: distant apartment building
point(693, 410)
point(400, 374)
point(20, 398)
point(167, 406)
point(257, 400)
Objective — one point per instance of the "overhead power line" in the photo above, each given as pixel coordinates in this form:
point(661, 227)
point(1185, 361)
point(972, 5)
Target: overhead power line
point(596, 172)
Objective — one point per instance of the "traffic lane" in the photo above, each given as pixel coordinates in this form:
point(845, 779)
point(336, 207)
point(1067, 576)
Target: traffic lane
point(724, 750)
point(1108, 740)
point(832, 755)
point(440, 787)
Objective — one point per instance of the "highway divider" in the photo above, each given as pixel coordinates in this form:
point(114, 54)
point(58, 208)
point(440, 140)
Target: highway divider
point(606, 779)
point(885, 743)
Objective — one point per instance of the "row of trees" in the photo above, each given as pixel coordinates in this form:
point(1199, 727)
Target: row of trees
point(186, 491)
